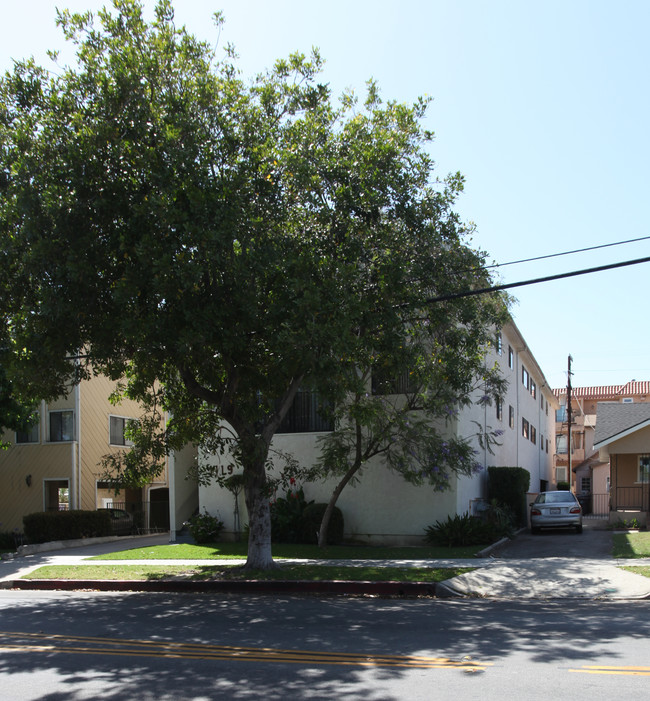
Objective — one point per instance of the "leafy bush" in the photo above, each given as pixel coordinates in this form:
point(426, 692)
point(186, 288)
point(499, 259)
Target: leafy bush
point(312, 517)
point(563, 486)
point(508, 486)
point(10, 541)
point(205, 528)
point(501, 518)
point(287, 517)
point(461, 530)
point(45, 526)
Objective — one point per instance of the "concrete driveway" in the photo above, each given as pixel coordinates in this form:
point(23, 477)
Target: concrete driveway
point(593, 543)
point(556, 564)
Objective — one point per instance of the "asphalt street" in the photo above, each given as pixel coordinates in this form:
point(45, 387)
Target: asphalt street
point(89, 645)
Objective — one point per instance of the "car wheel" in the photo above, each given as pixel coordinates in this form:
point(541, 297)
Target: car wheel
point(535, 530)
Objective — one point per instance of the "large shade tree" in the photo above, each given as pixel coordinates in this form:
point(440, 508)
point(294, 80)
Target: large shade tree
point(214, 242)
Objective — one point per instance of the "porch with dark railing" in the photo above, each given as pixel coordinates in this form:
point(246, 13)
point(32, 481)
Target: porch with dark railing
point(636, 498)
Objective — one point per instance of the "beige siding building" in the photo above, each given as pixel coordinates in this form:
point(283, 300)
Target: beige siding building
point(56, 465)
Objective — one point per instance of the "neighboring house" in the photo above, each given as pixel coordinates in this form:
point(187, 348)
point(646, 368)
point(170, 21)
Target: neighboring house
point(382, 507)
point(56, 464)
point(623, 439)
point(589, 476)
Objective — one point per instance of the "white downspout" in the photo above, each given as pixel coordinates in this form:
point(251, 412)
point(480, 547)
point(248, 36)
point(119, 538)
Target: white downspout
point(75, 496)
point(171, 478)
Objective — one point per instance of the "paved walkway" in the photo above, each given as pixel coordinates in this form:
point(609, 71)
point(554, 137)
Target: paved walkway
point(496, 578)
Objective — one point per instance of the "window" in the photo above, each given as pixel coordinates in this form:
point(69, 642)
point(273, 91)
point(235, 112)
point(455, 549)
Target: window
point(547, 446)
point(525, 428)
point(304, 416)
point(628, 400)
point(525, 377)
point(511, 358)
point(533, 389)
point(383, 383)
point(542, 402)
point(117, 426)
point(498, 343)
point(560, 443)
point(560, 474)
point(560, 414)
point(511, 416)
point(61, 426)
point(541, 442)
point(500, 409)
point(578, 441)
point(644, 469)
point(585, 485)
point(533, 435)
point(30, 435)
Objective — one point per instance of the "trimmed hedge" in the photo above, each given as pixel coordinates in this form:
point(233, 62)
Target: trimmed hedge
point(45, 526)
point(508, 486)
point(312, 517)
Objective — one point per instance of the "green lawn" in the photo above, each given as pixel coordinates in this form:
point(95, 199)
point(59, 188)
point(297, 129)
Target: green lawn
point(285, 572)
point(220, 551)
point(645, 571)
point(631, 545)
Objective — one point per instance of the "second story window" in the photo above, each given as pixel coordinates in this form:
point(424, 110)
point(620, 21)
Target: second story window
point(61, 426)
point(29, 435)
point(306, 415)
point(117, 428)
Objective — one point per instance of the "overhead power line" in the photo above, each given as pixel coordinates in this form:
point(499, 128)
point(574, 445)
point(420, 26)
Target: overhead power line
point(548, 278)
point(565, 253)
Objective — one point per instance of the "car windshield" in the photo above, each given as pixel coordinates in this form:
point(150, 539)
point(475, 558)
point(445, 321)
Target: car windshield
point(554, 497)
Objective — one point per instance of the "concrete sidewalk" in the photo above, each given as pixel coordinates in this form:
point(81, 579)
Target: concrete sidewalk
point(494, 578)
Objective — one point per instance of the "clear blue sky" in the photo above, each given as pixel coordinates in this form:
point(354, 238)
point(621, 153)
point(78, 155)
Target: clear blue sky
point(544, 107)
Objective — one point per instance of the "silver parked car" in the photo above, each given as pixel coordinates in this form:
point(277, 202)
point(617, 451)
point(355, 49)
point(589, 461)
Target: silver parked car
point(555, 510)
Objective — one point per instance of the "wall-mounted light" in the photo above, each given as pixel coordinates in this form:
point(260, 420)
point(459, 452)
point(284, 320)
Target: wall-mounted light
point(28, 480)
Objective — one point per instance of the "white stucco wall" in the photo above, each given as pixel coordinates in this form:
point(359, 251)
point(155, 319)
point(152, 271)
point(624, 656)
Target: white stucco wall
point(382, 507)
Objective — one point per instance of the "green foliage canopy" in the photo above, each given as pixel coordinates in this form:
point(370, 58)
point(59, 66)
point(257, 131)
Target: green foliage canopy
point(217, 243)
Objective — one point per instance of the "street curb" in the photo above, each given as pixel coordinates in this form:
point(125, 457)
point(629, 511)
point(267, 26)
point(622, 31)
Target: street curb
point(348, 588)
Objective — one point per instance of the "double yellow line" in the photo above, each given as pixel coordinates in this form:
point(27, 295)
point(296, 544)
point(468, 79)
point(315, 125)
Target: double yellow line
point(605, 669)
point(41, 642)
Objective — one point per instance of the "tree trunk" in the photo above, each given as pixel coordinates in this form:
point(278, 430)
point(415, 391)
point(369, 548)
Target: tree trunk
point(325, 522)
point(260, 556)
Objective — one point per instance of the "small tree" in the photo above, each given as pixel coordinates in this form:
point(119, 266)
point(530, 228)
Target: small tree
point(405, 420)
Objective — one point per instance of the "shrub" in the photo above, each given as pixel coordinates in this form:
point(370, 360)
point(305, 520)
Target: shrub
point(508, 486)
point(44, 526)
point(10, 541)
point(205, 528)
point(461, 530)
point(286, 517)
point(312, 517)
point(501, 518)
point(563, 486)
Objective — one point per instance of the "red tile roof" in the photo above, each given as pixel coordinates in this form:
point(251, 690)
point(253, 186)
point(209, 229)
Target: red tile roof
point(629, 389)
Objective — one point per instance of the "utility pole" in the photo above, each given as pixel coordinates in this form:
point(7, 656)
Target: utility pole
point(569, 418)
